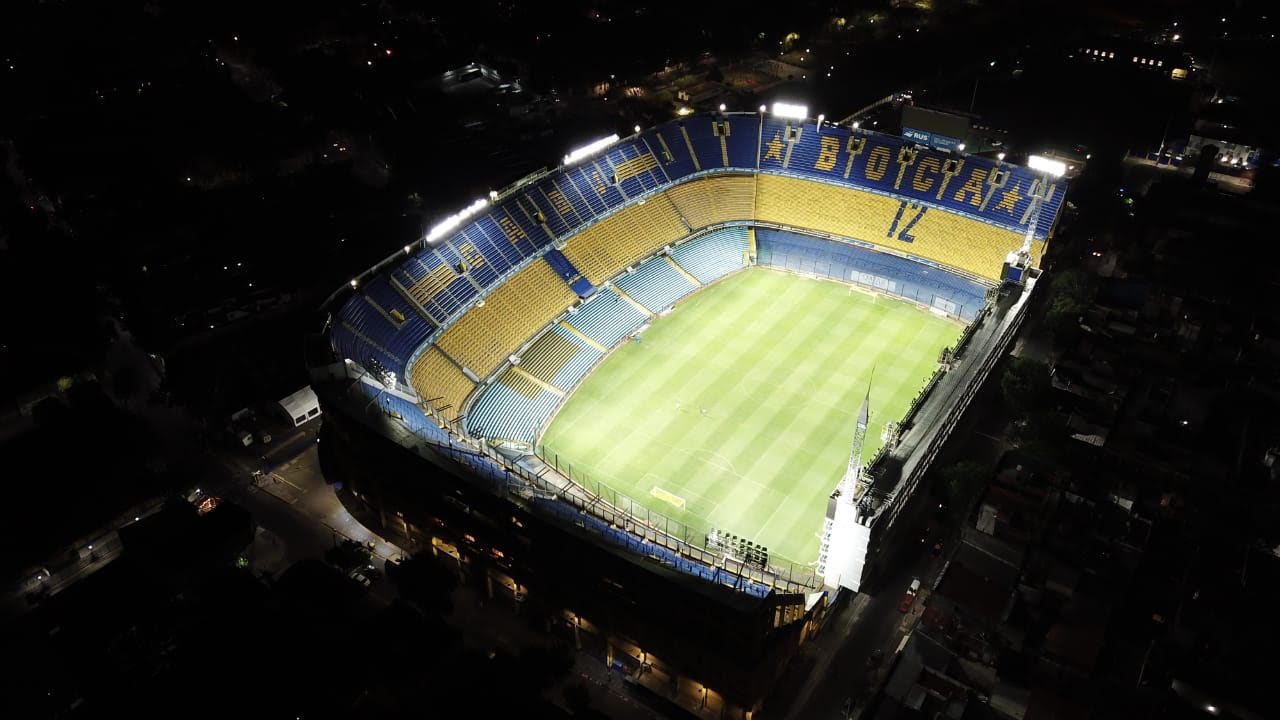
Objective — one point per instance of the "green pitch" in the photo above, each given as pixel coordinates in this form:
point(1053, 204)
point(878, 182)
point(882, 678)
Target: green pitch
point(780, 364)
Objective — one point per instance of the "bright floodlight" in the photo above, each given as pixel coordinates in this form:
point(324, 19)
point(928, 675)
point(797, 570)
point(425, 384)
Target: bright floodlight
point(1056, 168)
point(637, 128)
point(960, 147)
point(1000, 157)
point(791, 110)
point(762, 108)
point(590, 149)
point(454, 220)
point(856, 124)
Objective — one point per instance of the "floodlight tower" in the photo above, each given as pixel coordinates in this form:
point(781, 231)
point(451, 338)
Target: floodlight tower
point(853, 472)
point(1017, 262)
point(845, 536)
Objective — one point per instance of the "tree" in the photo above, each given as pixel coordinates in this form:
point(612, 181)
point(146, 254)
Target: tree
point(958, 481)
point(1024, 383)
point(1071, 294)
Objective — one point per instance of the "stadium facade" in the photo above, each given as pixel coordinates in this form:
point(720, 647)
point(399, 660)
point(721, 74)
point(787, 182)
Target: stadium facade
point(444, 363)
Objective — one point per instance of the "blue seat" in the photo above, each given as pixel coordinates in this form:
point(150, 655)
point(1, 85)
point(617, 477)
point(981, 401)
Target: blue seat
point(714, 255)
point(580, 365)
point(885, 273)
point(656, 284)
point(606, 318)
point(502, 412)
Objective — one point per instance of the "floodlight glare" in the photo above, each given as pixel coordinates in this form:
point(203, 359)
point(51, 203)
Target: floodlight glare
point(1000, 157)
point(590, 149)
point(637, 128)
point(1056, 168)
point(454, 220)
point(762, 108)
point(856, 124)
point(791, 110)
point(960, 147)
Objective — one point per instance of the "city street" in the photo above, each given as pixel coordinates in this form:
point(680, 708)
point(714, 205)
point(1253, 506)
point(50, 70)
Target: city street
point(833, 666)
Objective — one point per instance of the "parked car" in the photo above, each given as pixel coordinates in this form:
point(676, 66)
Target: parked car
point(360, 578)
point(907, 600)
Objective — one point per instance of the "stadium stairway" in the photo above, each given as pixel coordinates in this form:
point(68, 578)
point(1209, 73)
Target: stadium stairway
point(606, 318)
point(656, 284)
point(714, 255)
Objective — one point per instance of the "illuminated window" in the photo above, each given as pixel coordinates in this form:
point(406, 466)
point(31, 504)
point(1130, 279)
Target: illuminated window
point(1135, 58)
point(1111, 56)
point(1160, 64)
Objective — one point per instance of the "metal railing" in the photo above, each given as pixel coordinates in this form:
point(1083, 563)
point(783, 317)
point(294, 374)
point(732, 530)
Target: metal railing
point(679, 536)
point(509, 479)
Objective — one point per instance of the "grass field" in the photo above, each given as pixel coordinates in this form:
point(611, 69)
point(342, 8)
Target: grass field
point(780, 363)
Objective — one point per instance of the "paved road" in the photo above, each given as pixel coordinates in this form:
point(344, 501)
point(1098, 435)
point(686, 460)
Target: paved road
point(836, 663)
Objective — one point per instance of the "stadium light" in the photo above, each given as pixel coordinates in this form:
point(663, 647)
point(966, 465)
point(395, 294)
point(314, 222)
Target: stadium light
point(856, 124)
point(354, 283)
point(637, 129)
point(763, 108)
point(407, 249)
point(821, 117)
point(456, 219)
point(721, 107)
point(589, 149)
point(1000, 157)
point(493, 194)
point(1056, 168)
point(791, 110)
point(960, 147)
point(684, 110)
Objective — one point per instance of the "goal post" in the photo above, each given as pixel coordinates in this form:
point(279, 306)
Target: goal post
point(668, 497)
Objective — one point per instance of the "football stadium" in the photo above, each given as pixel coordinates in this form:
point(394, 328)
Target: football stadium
point(674, 394)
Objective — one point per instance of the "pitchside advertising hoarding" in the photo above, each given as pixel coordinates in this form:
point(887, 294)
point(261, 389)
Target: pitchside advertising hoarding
point(934, 140)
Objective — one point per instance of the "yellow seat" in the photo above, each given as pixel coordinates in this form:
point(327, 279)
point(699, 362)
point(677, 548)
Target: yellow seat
point(482, 338)
point(946, 238)
point(440, 383)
